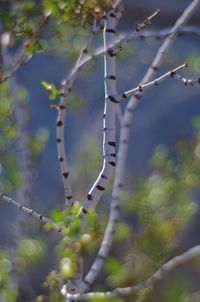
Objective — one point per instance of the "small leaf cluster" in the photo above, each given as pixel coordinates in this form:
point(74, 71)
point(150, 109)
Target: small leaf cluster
point(160, 209)
point(21, 21)
point(54, 92)
point(75, 11)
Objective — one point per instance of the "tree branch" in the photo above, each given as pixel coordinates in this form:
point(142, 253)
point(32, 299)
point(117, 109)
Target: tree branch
point(109, 120)
point(156, 34)
point(66, 87)
point(114, 211)
point(125, 129)
point(31, 213)
point(171, 74)
point(121, 158)
point(159, 275)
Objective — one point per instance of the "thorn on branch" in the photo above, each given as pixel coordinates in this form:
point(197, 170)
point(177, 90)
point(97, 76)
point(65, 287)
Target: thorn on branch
point(59, 123)
point(66, 174)
point(112, 144)
point(110, 30)
point(172, 73)
point(140, 88)
point(155, 68)
point(113, 100)
point(100, 188)
point(89, 197)
point(85, 51)
point(111, 52)
point(111, 77)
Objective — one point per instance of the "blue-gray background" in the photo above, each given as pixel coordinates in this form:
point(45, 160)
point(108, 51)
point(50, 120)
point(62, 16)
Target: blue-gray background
point(164, 115)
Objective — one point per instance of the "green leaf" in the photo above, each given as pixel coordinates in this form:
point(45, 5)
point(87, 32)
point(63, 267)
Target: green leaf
point(56, 216)
point(75, 226)
point(54, 92)
point(46, 85)
point(112, 265)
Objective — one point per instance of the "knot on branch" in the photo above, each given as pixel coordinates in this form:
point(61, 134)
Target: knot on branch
point(111, 52)
point(75, 286)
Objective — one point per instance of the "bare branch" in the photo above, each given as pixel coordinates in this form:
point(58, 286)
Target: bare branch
point(119, 174)
point(125, 130)
point(158, 35)
point(185, 81)
point(159, 275)
point(147, 21)
point(125, 38)
point(114, 210)
point(31, 213)
point(156, 82)
point(112, 222)
point(67, 86)
point(109, 119)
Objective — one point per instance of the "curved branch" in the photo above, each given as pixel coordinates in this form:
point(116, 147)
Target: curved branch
point(159, 275)
point(67, 86)
point(109, 120)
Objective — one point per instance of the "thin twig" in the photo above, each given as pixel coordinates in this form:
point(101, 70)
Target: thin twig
point(147, 21)
point(158, 35)
point(185, 81)
point(31, 213)
point(170, 74)
point(157, 81)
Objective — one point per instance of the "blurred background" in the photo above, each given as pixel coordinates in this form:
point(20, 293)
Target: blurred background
point(165, 122)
